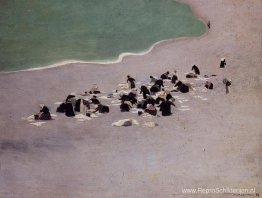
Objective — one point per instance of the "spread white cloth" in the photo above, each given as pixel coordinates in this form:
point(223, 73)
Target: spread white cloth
point(125, 122)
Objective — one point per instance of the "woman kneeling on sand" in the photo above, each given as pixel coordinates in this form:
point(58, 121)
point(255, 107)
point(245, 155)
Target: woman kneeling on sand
point(183, 87)
point(151, 109)
point(44, 113)
point(165, 107)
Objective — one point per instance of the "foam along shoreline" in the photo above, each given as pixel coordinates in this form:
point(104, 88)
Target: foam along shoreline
point(105, 62)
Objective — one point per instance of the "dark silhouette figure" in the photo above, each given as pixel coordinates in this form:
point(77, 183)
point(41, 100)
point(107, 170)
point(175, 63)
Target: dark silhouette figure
point(208, 24)
point(94, 100)
point(209, 85)
point(44, 114)
point(195, 69)
point(165, 107)
point(182, 87)
point(165, 75)
point(222, 63)
point(125, 106)
point(174, 79)
point(102, 109)
point(145, 91)
point(154, 89)
point(69, 110)
point(131, 81)
point(227, 84)
point(160, 83)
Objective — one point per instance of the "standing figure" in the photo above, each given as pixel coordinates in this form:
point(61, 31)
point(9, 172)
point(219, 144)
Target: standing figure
point(208, 24)
point(131, 82)
point(174, 77)
point(227, 83)
point(195, 69)
point(145, 91)
point(222, 62)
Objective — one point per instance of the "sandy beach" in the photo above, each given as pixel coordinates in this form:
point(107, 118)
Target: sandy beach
point(215, 143)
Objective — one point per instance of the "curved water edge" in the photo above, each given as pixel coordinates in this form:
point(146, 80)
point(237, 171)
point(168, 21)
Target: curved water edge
point(105, 62)
point(122, 55)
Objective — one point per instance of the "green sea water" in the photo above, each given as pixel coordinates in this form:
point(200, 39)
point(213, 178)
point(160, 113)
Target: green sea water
point(35, 33)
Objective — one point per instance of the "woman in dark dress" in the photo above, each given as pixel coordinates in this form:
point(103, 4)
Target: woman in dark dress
point(44, 114)
point(195, 69)
point(182, 87)
point(222, 62)
point(131, 82)
point(165, 108)
point(145, 91)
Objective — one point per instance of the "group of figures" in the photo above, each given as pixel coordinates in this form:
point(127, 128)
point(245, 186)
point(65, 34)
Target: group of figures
point(155, 97)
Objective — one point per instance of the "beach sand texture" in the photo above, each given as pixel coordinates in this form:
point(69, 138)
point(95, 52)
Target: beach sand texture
point(216, 143)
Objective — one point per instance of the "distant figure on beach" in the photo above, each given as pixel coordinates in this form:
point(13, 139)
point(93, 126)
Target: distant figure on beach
point(71, 98)
point(69, 109)
point(157, 86)
point(152, 79)
point(209, 85)
point(165, 76)
point(131, 82)
point(102, 109)
point(145, 91)
point(160, 83)
point(151, 109)
point(68, 105)
point(44, 113)
point(154, 89)
point(126, 106)
point(94, 100)
point(222, 62)
point(161, 97)
point(170, 97)
point(208, 24)
point(227, 83)
point(174, 77)
point(182, 87)
point(195, 69)
point(165, 107)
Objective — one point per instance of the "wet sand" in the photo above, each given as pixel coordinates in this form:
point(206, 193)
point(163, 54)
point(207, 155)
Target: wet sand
point(217, 143)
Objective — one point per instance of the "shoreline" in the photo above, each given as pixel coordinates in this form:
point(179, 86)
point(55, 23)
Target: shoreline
point(123, 54)
point(106, 62)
